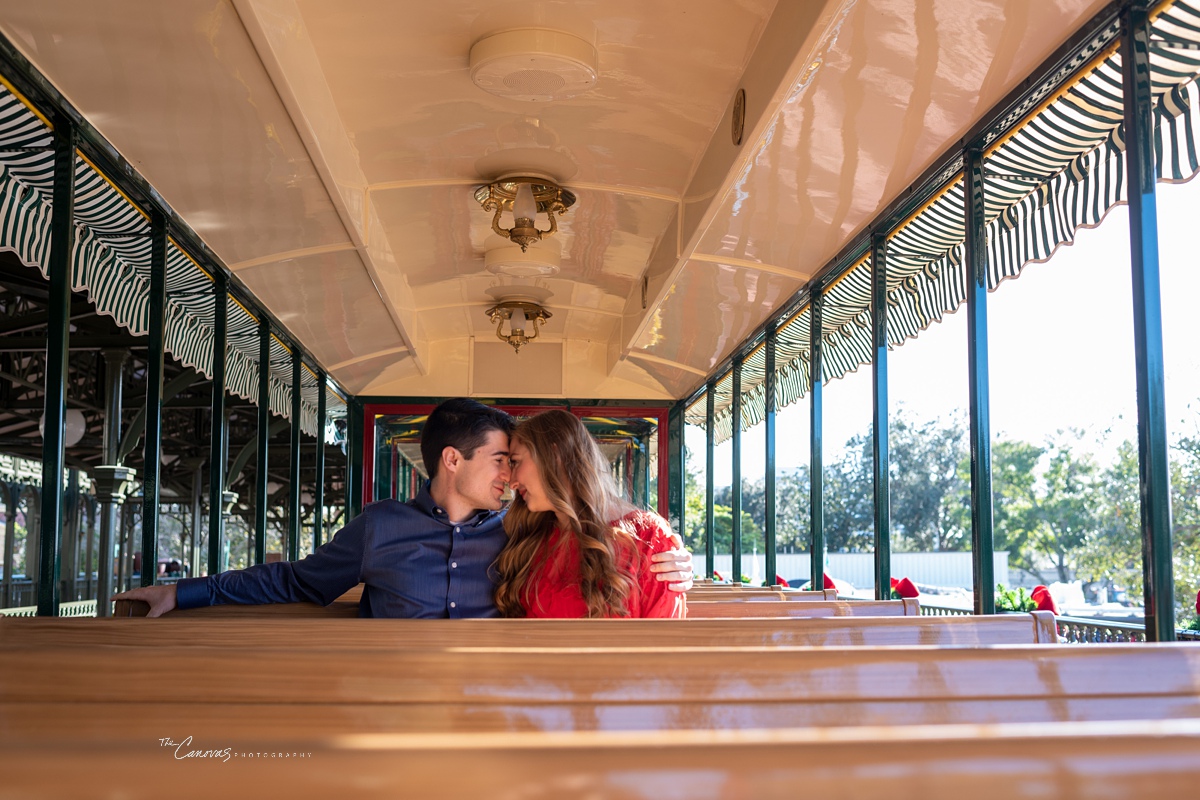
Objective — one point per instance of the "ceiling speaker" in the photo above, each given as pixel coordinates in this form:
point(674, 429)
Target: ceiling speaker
point(533, 64)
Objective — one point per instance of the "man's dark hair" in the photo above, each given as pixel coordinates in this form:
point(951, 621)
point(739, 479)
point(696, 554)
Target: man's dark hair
point(462, 424)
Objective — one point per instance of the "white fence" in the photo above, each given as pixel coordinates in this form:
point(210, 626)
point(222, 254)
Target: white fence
point(932, 569)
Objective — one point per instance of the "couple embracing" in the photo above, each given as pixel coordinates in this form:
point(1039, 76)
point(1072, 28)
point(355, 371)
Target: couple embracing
point(567, 546)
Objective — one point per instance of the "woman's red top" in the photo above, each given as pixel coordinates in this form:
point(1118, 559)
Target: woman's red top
point(553, 589)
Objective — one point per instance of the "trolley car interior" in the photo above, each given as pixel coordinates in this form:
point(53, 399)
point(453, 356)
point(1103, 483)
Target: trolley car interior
point(247, 245)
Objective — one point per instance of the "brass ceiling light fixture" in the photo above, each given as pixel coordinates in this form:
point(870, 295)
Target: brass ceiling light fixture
point(525, 197)
point(518, 310)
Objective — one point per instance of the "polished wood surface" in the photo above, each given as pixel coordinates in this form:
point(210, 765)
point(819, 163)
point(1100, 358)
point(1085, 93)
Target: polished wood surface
point(1159, 759)
point(708, 609)
point(615, 676)
point(286, 632)
point(757, 593)
point(344, 606)
point(56, 722)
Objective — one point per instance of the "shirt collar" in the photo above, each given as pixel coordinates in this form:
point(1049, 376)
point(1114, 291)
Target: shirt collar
point(424, 501)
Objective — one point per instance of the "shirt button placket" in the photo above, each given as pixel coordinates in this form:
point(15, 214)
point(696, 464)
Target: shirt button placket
point(454, 565)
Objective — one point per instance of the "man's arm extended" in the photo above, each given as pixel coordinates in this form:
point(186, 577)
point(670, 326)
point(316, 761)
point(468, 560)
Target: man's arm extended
point(319, 578)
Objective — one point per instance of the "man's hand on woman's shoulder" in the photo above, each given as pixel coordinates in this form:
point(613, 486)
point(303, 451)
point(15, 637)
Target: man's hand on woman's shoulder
point(674, 566)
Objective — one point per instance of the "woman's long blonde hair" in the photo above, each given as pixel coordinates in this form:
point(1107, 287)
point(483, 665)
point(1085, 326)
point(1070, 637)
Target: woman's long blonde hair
point(579, 484)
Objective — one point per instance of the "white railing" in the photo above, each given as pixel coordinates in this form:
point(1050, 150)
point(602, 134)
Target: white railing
point(82, 608)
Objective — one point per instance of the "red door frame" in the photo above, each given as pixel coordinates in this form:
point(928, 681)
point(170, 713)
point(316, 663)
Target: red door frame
point(371, 410)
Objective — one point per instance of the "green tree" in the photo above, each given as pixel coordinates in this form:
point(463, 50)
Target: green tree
point(850, 498)
point(1067, 506)
point(1112, 551)
point(926, 484)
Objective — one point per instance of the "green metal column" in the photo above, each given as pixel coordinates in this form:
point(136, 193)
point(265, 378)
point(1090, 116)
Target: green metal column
point(294, 472)
point(676, 470)
point(319, 489)
point(1153, 468)
point(710, 537)
point(975, 258)
point(816, 549)
point(736, 487)
point(261, 493)
point(62, 242)
point(645, 442)
point(880, 426)
point(152, 450)
point(769, 475)
point(354, 458)
point(220, 424)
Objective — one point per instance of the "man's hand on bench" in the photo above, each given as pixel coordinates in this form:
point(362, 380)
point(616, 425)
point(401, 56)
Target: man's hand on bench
point(161, 599)
point(674, 566)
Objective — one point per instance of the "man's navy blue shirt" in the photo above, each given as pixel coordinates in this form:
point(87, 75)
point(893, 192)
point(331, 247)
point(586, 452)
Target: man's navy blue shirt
point(414, 561)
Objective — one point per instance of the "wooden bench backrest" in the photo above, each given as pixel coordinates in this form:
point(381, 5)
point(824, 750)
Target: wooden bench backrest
point(760, 594)
point(347, 606)
point(1144, 759)
point(707, 609)
point(287, 632)
point(613, 676)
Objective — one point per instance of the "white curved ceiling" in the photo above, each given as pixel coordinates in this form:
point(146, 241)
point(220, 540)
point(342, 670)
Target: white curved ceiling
point(327, 152)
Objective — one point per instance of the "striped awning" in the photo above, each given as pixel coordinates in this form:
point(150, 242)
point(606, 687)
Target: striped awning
point(111, 266)
point(1060, 169)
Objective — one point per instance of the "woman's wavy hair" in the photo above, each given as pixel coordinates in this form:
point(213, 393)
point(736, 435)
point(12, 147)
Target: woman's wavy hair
point(580, 486)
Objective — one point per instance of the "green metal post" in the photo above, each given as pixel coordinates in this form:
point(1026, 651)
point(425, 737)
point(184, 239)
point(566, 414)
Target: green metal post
point(816, 547)
point(262, 494)
point(319, 489)
point(354, 458)
point(736, 487)
point(880, 425)
point(676, 469)
point(769, 474)
point(975, 258)
point(1153, 467)
point(710, 531)
point(294, 472)
point(152, 450)
point(645, 443)
point(62, 242)
point(220, 425)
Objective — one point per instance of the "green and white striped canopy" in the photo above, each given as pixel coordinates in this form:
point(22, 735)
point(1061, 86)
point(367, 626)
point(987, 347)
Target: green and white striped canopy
point(111, 266)
point(1060, 169)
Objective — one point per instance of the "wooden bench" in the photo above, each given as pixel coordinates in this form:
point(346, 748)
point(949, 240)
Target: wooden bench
point(286, 632)
point(995, 762)
point(347, 606)
point(760, 594)
point(344, 606)
point(56, 693)
point(708, 609)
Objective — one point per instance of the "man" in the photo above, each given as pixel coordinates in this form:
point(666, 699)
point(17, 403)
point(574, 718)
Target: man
point(429, 557)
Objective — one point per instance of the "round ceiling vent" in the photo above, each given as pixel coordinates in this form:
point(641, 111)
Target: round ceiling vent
point(533, 64)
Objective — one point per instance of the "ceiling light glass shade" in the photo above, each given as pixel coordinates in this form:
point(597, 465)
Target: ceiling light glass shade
point(524, 206)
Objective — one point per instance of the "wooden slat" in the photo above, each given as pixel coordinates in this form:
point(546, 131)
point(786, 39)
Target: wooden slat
point(1068, 760)
point(285, 633)
point(603, 677)
point(707, 609)
point(55, 722)
point(705, 593)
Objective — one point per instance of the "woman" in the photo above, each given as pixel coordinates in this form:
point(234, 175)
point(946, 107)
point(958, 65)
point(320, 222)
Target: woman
point(575, 549)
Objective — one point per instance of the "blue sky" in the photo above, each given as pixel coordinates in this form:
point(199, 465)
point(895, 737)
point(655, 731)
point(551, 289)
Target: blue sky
point(1061, 351)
